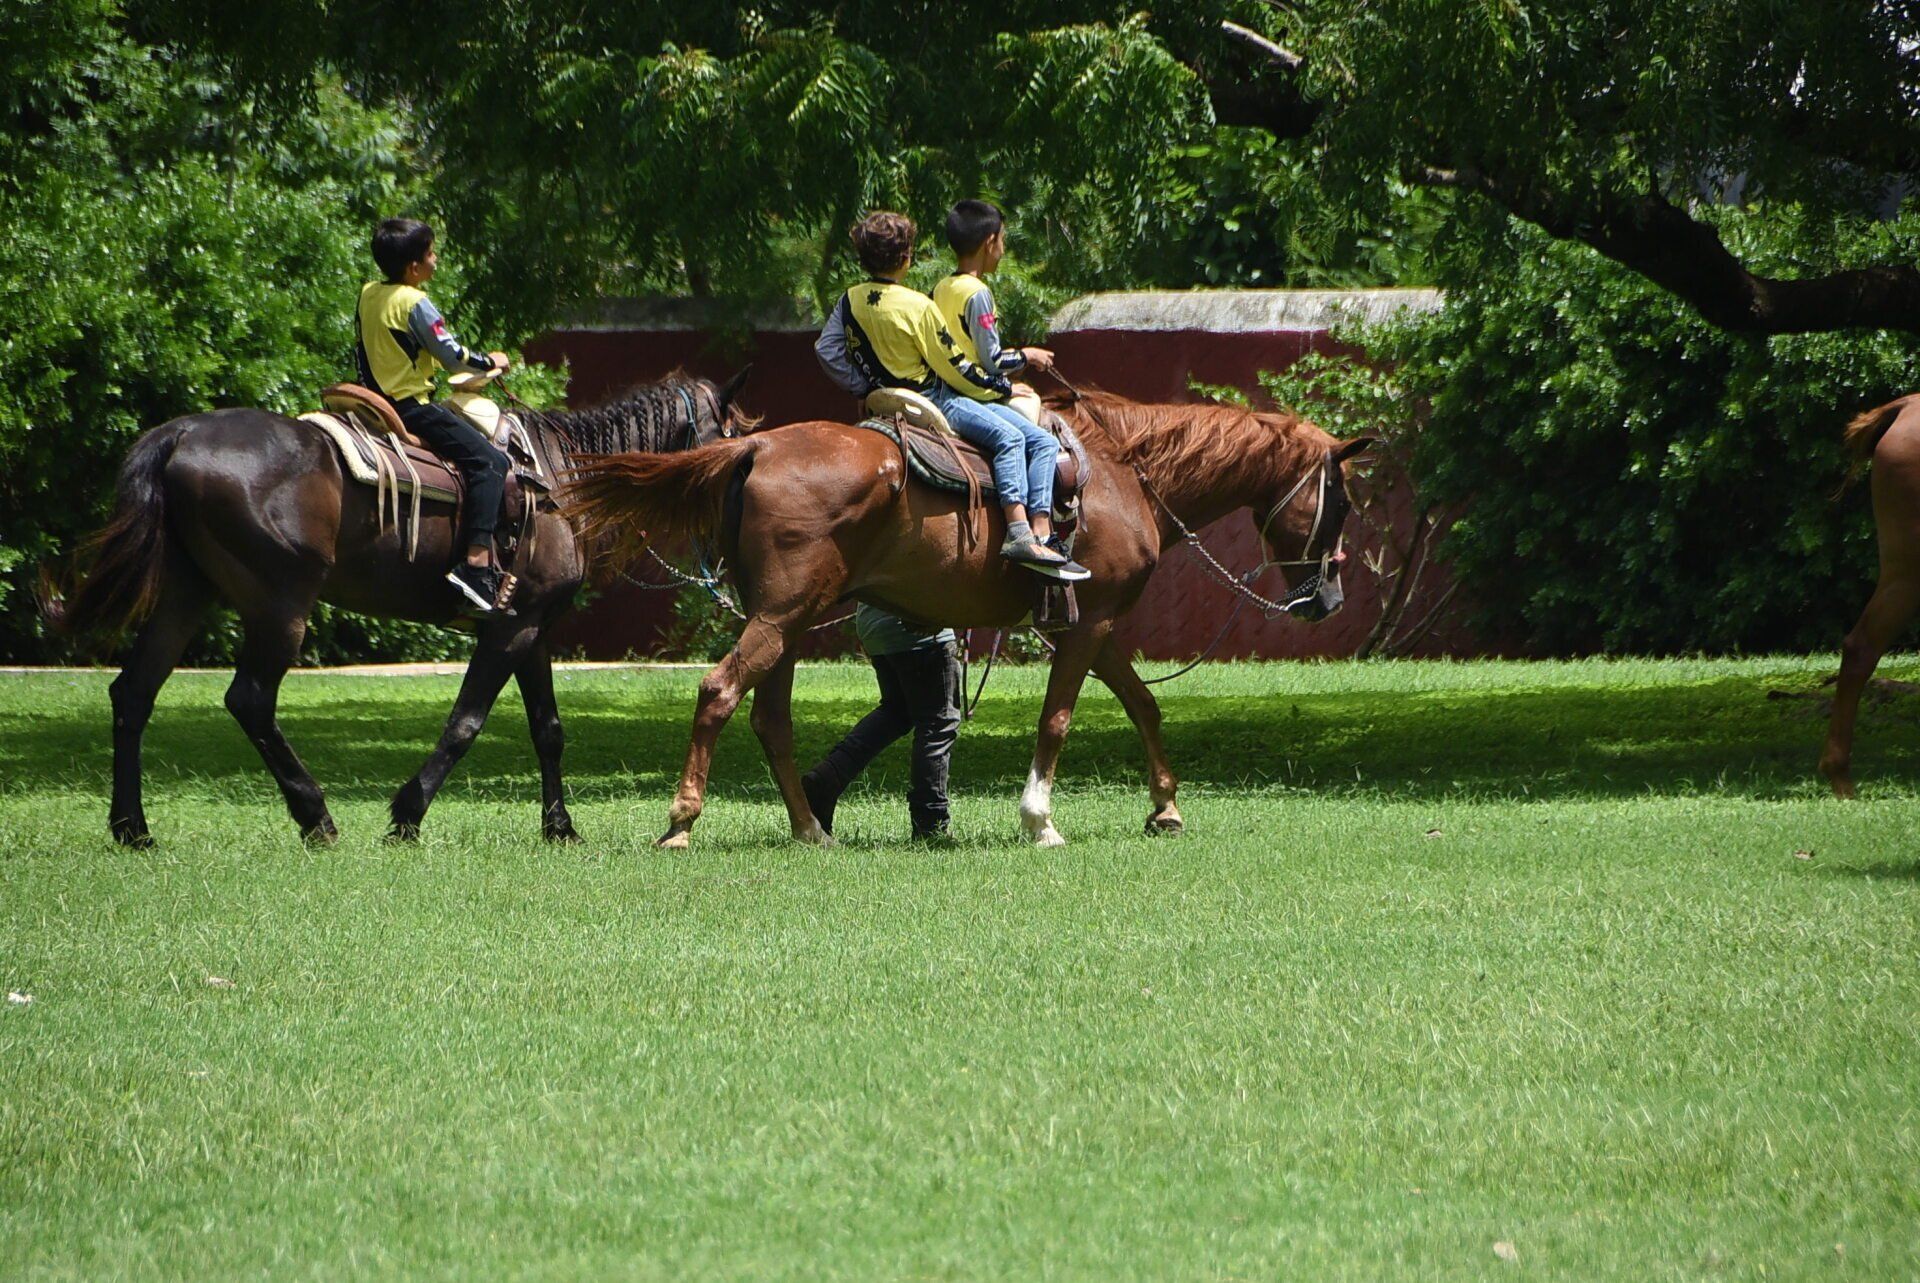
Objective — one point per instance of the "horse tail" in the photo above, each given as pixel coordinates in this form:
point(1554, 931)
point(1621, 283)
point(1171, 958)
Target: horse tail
point(126, 558)
point(1864, 433)
point(622, 502)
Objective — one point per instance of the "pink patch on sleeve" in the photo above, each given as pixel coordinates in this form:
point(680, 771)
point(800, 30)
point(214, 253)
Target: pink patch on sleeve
point(439, 329)
point(988, 320)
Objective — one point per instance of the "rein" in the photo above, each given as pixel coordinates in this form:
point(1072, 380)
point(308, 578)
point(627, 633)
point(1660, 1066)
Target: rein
point(1297, 597)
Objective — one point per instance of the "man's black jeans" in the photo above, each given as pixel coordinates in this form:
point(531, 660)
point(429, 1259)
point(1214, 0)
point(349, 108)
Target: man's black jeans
point(480, 465)
point(919, 692)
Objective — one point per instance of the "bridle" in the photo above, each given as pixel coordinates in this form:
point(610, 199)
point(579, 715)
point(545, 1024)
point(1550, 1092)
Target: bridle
point(1329, 556)
point(1297, 597)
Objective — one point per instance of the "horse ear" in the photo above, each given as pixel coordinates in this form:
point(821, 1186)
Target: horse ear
point(1352, 448)
point(731, 388)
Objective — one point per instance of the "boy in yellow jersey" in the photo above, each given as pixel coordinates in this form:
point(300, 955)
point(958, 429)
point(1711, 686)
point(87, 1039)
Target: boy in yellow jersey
point(977, 231)
point(401, 336)
point(883, 334)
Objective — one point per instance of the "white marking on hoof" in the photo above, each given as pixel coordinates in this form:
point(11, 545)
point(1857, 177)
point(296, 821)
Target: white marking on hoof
point(813, 835)
point(1036, 810)
point(674, 841)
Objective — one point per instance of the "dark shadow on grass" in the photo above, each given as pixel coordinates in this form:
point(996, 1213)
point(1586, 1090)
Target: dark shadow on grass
point(1720, 737)
point(1879, 871)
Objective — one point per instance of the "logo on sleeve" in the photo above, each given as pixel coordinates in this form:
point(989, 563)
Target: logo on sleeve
point(439, 329)
point(988, 320)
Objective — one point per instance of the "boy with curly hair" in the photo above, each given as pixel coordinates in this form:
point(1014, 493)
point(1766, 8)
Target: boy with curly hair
point(883, 334)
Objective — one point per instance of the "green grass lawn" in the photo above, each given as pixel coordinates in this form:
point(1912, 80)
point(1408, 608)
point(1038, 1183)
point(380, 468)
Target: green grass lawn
point(1452, 955)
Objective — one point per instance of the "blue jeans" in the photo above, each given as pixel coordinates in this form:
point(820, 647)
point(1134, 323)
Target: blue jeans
point(1021, 454)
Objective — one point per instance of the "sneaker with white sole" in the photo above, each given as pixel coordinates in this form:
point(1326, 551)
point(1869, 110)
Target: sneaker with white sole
point(1042, 560)
point(479, 586)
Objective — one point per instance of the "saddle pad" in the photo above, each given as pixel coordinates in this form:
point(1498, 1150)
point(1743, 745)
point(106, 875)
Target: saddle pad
point(939, 460)
point(357, 455)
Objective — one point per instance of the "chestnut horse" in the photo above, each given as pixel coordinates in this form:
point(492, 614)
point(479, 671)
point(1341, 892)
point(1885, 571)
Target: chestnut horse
point(1888, 437)
point(250, 509)
point(813, 513)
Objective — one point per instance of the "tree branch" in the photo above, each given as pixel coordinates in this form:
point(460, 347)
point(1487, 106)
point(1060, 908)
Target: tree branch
point(1278, 54)
point(1676, 251)
point(1246, 90)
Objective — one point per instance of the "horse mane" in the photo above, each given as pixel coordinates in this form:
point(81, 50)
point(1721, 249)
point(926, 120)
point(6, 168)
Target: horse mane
point(642, 416)
point(1169, 442)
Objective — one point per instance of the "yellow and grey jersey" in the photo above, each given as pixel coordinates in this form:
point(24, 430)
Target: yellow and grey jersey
point(966, 306)
point(400, 336)
point(883, 335)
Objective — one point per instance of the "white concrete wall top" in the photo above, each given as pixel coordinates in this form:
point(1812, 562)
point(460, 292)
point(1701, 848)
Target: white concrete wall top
point(1208, 311)
point(1239, 311)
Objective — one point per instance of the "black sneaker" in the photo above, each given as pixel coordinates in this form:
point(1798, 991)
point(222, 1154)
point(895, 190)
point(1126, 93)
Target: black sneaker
point(819, 800)
point(479, 586)
point(931, 828)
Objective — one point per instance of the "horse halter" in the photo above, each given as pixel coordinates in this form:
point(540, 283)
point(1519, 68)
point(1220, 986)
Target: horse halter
point(1308, 588)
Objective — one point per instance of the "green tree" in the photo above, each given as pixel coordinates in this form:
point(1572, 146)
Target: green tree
point(171, 246)
point(1626, 476)
point(1627, 125)
point(654, 145)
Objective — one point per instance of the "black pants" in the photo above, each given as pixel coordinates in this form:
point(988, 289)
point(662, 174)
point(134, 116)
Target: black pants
point(480, 465)
point(919, 692)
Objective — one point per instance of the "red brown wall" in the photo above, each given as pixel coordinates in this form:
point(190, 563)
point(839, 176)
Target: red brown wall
point(1183, 608)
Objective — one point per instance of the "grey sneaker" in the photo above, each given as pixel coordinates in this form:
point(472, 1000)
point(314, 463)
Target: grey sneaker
point(1042, 560)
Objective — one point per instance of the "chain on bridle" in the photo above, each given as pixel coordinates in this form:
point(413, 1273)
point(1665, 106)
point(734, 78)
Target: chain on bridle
point(1298, 597)
point(1309, 587)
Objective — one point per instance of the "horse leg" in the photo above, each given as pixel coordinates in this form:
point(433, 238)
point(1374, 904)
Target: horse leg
point(1113, 668)
point(268, 649)
point(495, 656)
point(772, 719)
point(758, 652)
point(1072, 656)
point(1892, 605)
point(176, 618)
point(535, 676)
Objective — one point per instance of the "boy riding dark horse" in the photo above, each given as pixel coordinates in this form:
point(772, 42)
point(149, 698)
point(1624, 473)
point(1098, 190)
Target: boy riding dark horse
point(401, 336)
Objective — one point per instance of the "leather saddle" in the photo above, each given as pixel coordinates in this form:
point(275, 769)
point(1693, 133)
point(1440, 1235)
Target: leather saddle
point(385, 446)
point(937, 457)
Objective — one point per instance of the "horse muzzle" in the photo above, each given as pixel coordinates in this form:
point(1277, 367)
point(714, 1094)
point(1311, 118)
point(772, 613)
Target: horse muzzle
point(1318, 597)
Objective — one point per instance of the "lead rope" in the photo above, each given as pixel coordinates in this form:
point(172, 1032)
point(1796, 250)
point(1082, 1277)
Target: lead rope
point(968, 709)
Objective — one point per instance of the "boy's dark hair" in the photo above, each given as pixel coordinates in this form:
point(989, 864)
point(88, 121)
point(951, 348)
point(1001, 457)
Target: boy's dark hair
point(883, 240)
point(971, 222)
point(398, 243)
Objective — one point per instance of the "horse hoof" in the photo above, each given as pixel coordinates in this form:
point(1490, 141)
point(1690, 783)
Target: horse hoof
point(674, 840)
point(321, 834)
point(564, 833)
point(403, 833)
point(136, 839)
point(815, 836)
point(1165, 826)
point(1049, 836)
point(1843, 788)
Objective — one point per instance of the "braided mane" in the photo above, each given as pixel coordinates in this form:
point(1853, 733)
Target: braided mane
point(649, 417)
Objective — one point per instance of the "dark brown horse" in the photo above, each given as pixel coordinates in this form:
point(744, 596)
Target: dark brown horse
point(251, 509)
point(813, 513)
point(1889, 438)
